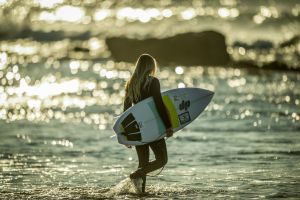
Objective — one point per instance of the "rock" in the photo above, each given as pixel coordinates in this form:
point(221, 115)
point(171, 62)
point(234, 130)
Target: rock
point(241, 44)
point(278, 66)
point(81, 49)
point(204, 48)
point(262, 44)
point(259, 44)
point(293, 41)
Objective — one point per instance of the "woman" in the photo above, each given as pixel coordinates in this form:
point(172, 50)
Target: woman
point(140, 86)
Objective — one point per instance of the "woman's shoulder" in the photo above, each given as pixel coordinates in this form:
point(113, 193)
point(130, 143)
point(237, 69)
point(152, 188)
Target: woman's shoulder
point(153, 79)
point(154, 82)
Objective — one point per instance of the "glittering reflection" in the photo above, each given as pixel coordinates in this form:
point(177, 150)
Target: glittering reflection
point(225, 12)
point(296, 10)
point(3, 60)
point(181, 85)
point(167, 13)
point(61, 91)
point(47, 16)
point(3, 2)
point(143, 15)
point(265, 12)
point(236, 82)
point(101, 14)
point(22, 49)
point(179, 70)
point(258, 19)
point(65, 143)
point(188, 14)
point(63, 13)
point(62, 124)
point(269, 11)
point(45, 89)
point(228, 2)
point(70, 13)
point(48, 3)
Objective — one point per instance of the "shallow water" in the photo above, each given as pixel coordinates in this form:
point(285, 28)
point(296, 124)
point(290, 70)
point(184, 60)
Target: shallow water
point(245, 145)
point(219, 164)
point(58, 105)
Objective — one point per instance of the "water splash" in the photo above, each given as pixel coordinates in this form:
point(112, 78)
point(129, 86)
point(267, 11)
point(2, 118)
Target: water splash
point(126, 186)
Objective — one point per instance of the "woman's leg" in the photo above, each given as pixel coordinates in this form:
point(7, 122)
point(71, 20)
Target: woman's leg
point(143, 156)
point(161, 156)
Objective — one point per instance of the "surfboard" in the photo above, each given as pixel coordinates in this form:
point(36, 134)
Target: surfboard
point(141, 123)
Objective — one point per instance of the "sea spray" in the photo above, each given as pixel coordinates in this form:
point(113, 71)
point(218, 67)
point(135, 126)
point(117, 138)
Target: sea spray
point(126, 186)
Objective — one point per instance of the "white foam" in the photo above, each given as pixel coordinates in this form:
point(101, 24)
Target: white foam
point(126, 186)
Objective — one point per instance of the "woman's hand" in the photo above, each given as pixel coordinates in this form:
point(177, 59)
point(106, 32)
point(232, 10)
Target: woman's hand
point(169, 132)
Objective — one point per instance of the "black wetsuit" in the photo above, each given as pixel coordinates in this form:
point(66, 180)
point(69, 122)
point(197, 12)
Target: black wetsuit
point(158, 147)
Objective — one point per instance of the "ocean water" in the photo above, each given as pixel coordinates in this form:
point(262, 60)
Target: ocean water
point(58, 105)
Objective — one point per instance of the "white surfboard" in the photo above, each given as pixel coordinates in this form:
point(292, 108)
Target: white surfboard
point(141, 124)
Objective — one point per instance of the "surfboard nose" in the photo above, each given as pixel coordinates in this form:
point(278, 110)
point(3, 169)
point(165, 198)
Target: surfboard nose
point(211, 95)
point(203, 93)
point(210, 92)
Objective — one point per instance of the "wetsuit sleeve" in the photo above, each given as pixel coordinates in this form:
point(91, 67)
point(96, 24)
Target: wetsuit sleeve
point(155, 93)
point(127, 104)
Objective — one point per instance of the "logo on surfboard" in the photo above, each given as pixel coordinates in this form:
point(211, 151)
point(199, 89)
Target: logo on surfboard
point(184, 105)
point(184, 117)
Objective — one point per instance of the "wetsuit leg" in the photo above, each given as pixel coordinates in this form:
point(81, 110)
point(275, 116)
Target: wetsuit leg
point(161, 156)
point(143, 156)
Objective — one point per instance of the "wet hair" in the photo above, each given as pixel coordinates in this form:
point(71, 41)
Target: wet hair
point(144, 67)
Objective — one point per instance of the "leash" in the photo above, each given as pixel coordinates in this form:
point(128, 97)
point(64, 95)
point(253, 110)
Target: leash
point(157, 173)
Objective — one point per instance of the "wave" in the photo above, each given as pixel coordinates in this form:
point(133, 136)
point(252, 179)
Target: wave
point(43, 36)
point(290, 153)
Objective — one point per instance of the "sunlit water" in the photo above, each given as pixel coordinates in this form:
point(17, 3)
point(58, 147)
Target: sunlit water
point(56, 134)
point(57, 105)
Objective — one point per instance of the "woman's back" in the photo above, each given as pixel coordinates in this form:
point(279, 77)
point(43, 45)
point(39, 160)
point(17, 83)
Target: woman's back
point(148, 89)
point(153, 90)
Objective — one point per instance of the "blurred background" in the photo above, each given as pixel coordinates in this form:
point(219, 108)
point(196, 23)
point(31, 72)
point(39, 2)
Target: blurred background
point(63, 66)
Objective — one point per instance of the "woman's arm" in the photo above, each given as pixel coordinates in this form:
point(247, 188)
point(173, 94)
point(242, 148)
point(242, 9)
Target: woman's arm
point(155, 92)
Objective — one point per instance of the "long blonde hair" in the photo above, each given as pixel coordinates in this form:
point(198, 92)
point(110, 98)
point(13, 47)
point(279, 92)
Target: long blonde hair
point(145, 66)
